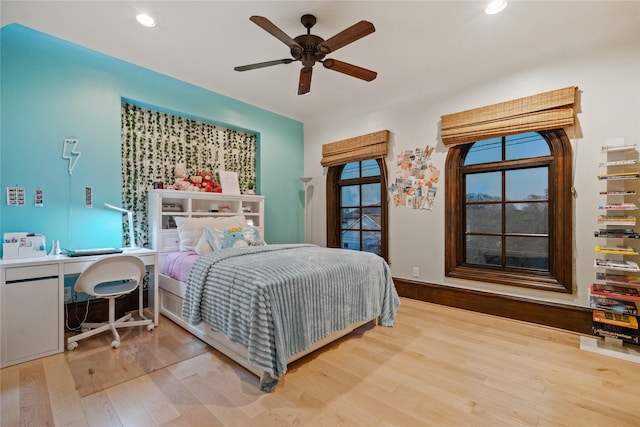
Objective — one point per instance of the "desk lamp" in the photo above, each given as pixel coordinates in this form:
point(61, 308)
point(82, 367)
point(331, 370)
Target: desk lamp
point(132, 237)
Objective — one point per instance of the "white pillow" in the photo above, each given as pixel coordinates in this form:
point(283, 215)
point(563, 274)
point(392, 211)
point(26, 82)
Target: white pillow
point(203, 246)
point(191, 229)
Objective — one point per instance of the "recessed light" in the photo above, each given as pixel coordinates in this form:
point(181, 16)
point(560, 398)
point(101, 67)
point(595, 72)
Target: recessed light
point(496, 6)
point(146, 20)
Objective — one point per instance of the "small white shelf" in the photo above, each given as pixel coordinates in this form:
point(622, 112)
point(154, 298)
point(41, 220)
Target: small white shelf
point(616, 222)
point(616, 265)
point(614, 148)
point(616, 250)
point(619, 176)
point(618, 207)
point(613, 163)
point(618, 193)
point(610, 347)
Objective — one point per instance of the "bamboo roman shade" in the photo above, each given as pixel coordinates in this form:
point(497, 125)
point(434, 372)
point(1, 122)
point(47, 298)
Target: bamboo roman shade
point(549, 110)
point(365, 147)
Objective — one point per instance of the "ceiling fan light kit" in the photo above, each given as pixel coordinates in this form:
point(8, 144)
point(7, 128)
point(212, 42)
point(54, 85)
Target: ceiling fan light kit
point(309, 49)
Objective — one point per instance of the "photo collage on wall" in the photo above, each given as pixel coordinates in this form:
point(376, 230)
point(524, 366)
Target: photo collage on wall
point(416, 176)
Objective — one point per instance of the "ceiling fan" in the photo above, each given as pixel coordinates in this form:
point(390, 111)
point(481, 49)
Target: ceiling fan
point(309, 49)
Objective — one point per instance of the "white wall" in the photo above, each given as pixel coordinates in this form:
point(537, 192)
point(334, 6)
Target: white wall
point(608, 78)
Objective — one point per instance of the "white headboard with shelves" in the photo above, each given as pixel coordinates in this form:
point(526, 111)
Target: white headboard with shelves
point(164, 205)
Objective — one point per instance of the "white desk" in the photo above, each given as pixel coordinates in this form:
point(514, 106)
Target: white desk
point(32, 302)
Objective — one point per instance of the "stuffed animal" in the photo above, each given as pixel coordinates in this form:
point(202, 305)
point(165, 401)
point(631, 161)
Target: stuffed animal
point(234, 238)
point(196, 181)
point(207, 182)
point(181, 178)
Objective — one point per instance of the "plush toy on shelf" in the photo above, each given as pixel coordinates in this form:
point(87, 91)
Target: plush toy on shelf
point(182, 178)
point(196, 182)
point(208, 184)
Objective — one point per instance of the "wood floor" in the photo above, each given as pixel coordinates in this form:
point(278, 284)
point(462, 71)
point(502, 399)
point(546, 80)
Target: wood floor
point(437, 366)
point(95, 366)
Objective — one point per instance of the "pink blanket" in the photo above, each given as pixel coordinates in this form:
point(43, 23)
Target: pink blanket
point(178, 264)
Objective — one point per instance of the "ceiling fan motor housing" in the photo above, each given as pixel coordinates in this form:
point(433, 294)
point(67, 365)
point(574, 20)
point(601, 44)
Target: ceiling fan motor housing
point(310, 53)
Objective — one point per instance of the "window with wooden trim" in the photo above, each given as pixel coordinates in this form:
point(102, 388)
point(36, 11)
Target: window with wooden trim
point(357, 207)
point(508, 211)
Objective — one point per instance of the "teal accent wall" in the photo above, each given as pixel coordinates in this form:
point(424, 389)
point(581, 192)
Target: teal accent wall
point(51, 90)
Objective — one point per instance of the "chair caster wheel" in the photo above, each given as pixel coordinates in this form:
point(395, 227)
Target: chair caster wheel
point(72, 346)
point(115, 344)
point(150, 327)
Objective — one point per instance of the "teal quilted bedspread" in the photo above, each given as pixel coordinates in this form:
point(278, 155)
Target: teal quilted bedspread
point(277, 300)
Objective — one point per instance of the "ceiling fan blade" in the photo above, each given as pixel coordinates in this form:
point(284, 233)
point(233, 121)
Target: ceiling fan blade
point(304, 86)
point(343, 38)
point(276, 32)
point(349, 69)
point(263, 64)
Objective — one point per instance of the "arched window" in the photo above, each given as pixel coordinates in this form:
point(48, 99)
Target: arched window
point(357, 207)
point(508, 211)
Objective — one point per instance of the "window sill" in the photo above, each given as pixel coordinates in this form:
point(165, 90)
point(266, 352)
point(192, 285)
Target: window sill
point(540, 281)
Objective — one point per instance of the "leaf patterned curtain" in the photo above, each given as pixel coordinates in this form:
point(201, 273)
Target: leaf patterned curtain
point(153, 142)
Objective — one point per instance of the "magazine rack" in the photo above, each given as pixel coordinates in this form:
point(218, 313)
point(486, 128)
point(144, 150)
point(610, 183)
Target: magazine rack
point(615, 294)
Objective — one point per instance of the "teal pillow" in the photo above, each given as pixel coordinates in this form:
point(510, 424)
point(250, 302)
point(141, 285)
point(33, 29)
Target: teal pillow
point(233, 237)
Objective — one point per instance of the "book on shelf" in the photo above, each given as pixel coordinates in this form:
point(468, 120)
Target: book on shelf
point(622, 147)
point(599, 291)
point(616, 265)
point(616, 220)
point(619, 162)
point(617, 250)
point(617, 233)
point(615, 331)
point(614, 288)
point(619, 319)
point(621, 175)
point(617, 192)
point(618, 279)
point(618, 207)
point(615, 305)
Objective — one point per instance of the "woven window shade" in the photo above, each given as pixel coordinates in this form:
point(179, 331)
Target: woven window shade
point(549, 110)
point(365, 147)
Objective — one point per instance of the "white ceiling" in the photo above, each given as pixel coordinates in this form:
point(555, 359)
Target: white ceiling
point(420, 48)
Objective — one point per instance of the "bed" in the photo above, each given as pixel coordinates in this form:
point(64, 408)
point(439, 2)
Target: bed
point(266, 305)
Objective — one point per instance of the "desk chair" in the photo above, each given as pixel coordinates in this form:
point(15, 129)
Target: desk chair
point(110, 277)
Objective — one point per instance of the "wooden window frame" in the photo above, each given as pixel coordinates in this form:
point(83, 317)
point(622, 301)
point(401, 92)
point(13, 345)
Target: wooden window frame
point(560, 275)
point(334, 204)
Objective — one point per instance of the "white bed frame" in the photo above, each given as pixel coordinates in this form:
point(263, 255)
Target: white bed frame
point(171, 297)
point(172, 292)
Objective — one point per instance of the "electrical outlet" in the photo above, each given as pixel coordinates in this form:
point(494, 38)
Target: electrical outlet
point(416, 272)
point(67, 294)
point(88, 197)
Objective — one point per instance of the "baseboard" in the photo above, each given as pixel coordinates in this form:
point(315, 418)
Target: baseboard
point(99, 309)
point(562, 316)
